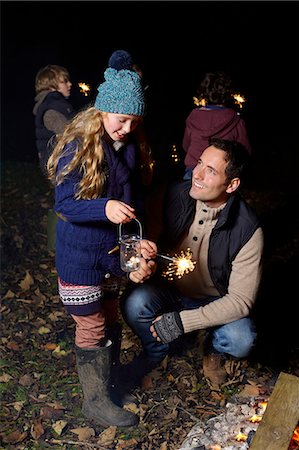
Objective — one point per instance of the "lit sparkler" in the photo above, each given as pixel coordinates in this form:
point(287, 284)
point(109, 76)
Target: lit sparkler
point(199, 101)
point(239, 100)
point(84, 88)
point(179, 264)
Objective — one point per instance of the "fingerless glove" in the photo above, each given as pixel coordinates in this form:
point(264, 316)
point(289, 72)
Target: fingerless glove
point(169, 327)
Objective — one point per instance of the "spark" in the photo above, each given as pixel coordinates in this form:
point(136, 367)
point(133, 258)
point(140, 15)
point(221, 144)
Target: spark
point(179, 265)
point(84, 88)
point(239, 100)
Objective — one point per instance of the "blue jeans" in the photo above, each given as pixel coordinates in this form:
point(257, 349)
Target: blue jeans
point(143, 303)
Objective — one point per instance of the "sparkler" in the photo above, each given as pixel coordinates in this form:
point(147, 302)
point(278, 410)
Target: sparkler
point(179, 264)
point(238, 99)
point(84, 88)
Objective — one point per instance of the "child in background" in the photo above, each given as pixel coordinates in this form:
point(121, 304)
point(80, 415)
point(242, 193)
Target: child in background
point(218, 117)
point(95, 167)
point(52, 109)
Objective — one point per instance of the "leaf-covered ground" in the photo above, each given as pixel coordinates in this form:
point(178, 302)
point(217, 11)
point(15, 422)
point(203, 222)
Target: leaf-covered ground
point(40, 392)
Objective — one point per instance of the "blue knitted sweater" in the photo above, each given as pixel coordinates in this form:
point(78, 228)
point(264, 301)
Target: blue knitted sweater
point(85, 237)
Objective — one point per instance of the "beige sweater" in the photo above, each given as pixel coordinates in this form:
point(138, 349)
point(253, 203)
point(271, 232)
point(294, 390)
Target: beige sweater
point(243, 283)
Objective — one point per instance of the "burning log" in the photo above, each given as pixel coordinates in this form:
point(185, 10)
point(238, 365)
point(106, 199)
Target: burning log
point(281, 416)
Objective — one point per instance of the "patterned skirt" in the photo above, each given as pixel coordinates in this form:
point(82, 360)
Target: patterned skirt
point(85, 300)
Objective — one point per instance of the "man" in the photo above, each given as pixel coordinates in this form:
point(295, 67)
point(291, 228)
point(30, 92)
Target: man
point(226, 241)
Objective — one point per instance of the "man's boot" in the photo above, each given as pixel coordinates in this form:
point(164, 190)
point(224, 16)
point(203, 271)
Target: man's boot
point(94, 367)
point(213, 368)
point(129, 376)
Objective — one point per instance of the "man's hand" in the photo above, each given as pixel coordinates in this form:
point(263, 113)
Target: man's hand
point(146, 269)
point(167, 328)
point(148, 249)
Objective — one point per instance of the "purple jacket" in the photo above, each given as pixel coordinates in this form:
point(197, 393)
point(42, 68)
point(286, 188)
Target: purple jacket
point(211, 121)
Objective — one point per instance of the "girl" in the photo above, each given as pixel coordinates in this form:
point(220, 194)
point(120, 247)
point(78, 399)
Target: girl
point(95, 168)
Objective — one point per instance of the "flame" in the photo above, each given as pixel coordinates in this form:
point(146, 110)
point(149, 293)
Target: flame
point(84, 88)
point(180, 265)
point(295, 439)
point(256, 418)
point(241, 437)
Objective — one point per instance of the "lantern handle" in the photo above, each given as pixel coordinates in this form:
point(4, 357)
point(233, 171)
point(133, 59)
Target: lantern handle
point(139, 226)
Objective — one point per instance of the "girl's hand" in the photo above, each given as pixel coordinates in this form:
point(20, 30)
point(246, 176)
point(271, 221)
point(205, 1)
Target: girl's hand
point(119, 212)
point(148, 249)
point(146, 269)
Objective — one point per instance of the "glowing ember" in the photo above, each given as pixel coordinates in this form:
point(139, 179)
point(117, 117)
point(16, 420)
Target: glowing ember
point(180, 265)
point(241, 437)
point(84, 88)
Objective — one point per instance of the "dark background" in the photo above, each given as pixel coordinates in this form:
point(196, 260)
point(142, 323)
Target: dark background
point(174, 43)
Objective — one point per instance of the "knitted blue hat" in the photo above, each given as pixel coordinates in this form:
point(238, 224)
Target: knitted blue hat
point(122, 91)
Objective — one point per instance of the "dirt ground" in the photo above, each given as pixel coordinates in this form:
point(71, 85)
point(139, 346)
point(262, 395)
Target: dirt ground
point(40, 393)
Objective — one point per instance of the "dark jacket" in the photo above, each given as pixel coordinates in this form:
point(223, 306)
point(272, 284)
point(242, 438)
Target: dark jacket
point(54, 100)
point(236, 225)
point(85, 237)
point(211, 121)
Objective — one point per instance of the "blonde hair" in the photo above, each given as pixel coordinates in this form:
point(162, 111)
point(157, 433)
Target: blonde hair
point(87, 129)
point(50, 76)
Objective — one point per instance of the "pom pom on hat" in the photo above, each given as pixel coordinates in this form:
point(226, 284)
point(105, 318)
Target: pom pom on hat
point(120, 59)
point(122, 91)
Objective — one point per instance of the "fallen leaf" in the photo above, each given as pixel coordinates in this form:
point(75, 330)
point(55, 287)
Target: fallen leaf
point(18, 406)
point(131, 407)
point(5, 377)
point(54, 316)
point(106, 438)
point(9, 294)
point(84, 433)
point(58, 351)
point(12, 345)
point(50, 346)
point(26, 380)
point(59, 426)
point(47, 412)
point(44, 330)
point(37, 429)
point(26, 282)
point(14, 437)
point(163, 446)
point(125, 444)
point(249, 390)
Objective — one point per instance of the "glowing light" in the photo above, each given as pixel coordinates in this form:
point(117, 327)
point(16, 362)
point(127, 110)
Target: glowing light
point(180, 265)
point(241, 437)
point(174, 155)
point(199, 101)
point(239, 99)
point(84, 88)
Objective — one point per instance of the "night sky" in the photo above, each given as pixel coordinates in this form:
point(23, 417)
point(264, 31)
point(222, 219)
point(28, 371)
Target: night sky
point(174, 43)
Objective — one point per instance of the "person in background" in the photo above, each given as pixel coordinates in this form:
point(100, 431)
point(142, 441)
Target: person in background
point(52, 110)
point(209, 217)
point(218, 117)
point(96, 169)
